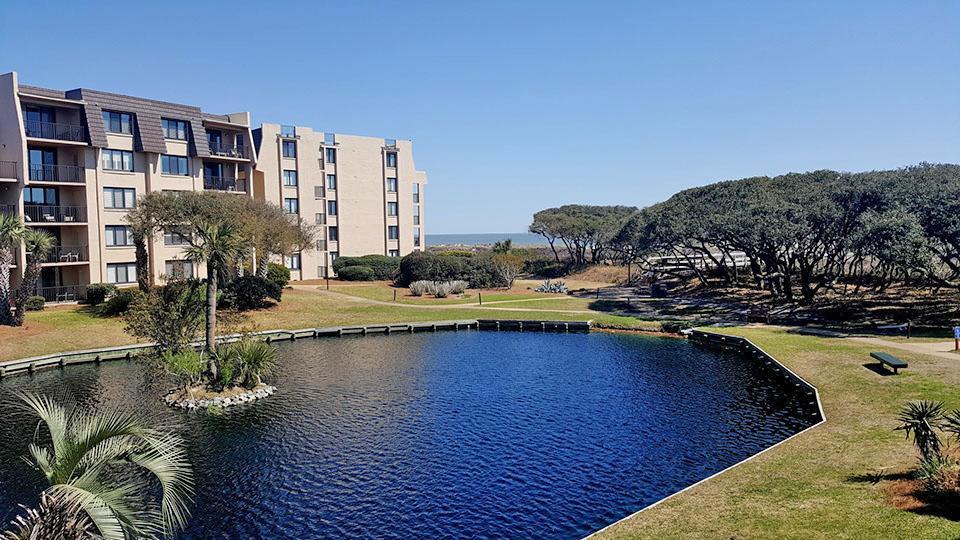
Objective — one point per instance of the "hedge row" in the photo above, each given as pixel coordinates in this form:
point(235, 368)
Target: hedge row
point(478, 271)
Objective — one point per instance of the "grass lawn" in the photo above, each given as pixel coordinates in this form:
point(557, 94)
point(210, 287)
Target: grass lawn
point(68, 328)
point(813, 486)
point(382, 291)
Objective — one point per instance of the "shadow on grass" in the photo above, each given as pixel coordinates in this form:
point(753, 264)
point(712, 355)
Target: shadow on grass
point(878, 368)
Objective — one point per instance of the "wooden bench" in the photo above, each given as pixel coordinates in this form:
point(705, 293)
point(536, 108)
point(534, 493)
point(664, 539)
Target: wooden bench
point(890, 360)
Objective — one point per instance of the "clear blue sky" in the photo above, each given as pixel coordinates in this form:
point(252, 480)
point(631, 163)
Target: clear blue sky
point(517, 106)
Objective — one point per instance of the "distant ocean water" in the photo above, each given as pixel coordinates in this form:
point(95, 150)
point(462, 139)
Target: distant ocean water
point(476, 239)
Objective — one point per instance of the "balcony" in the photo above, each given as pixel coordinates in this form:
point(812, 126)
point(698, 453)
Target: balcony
point(56, 132)
point(9, 171)
point(222, 149)
point(71, 174)
point(63, 293)
point(225, 183)
point(67, 254)
point(43, 214)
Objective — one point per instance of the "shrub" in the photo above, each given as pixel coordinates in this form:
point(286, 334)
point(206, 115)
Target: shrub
point(383, 267)
point(440, 289)
point(480, 272)
point(187, 365)
point(546, 268)
point(507, 266)
point(939, 475)
point(34, 303)
point(278, 274)
point(98, 292)
point(120, 302)
point(356, 273)
point(420, 288)
point(248, 360)
point(458, 286)
point(171, 315)
point(250, 292)
point(555, 287)
point(456, 253)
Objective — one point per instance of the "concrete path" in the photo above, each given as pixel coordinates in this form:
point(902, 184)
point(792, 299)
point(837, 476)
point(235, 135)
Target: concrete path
point(940, 349)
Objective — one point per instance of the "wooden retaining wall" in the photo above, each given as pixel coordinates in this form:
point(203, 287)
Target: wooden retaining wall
point(60, 360)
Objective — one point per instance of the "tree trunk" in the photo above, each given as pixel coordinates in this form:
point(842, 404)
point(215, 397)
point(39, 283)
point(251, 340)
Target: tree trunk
point(143, 262)
point(553, 248)
point(211, 321)
point(30, 278)
point(6, 260)
point(263, 264)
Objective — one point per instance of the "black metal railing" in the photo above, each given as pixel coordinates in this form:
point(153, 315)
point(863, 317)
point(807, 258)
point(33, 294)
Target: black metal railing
point(67, 254)
point(57, 173)
point(227, 150)
point(63, 293)
point(54, 214)
point(224, 183)
point(9, 169)
point(59, 132)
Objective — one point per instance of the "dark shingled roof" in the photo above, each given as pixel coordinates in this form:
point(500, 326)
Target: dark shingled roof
point(147, 129)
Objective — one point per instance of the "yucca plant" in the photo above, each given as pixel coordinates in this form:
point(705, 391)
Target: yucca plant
point(38, 244)
point(921, 420)
point(85, 445)
point(54, 517)
point(251, 359)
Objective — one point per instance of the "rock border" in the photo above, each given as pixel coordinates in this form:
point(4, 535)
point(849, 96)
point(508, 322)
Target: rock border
point(191, 404)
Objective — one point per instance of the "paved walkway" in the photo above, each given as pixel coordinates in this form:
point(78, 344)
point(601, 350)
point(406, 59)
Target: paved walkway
point(940, 349)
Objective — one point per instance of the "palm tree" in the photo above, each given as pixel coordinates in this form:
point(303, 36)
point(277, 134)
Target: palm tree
point(38, 244)
point(54, 517)
point(11, 233)
point(84, 445)
point(923, 419)
point(218, 244)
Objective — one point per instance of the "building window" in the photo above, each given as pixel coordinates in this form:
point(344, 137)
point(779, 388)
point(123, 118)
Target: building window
point(118, 122)
point(416, 236)
point(117, 160)
point(288, 131)
point(121, 273)
point(329, 139)
point(391, 209)
point(393, 232)
point(333, 256)
point(392, 160)
point(391, 184)
point(320, 219)
point(119, 197)
point(119, 236)
point(174, 129)
point(394, 253)
point(416, 193)
point(290, 149)
point(38, 195)
point(291, 206)
point(293, 261)
point(318, 192)
point(176, 165)
point(331, 155)
point(290, 178)
point(332, 208)
point(176, 269)
point(333, 234)
point(176, 237)
point(331, 181)
point(416, 214)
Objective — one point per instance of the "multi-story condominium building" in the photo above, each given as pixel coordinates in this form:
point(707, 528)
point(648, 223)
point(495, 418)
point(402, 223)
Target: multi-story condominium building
point(75, 162)
point(364, 194)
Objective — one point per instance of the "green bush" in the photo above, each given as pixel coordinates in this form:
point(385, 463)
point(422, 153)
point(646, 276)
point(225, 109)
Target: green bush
point(456, 253)
point(171, 315)
point(34, 303)
point(98, 292)
point(187, 365)
point(120, 302)
point(480, 272)
point(278, 274)
point(245, 362)
point(383, 267)
point(250, 292)
point(546, 268)
point(356, 273)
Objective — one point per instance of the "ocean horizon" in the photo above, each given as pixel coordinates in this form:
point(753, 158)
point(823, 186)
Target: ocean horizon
point(479, 239)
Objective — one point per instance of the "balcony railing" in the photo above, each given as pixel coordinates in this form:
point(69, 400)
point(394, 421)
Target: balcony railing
point(59, 132)
point(67, 254)
point(224, 183)
point(57, 173)
point(54, 214)
point(227, 150)
point(9, 169)
point(63, 293)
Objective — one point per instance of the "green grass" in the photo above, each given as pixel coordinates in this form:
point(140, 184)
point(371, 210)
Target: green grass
point(69, 328)
point(383, 292)
point(806, 488)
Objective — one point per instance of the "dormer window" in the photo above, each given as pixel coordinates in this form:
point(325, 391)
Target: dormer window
point(118, 122)
point(174, 129)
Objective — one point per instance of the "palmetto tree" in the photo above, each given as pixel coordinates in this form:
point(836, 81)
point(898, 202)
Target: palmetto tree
point(922, 420)
point(11, 233)
point(53, 517)
point(38, 244)
point(218, 244)
point(85, 445)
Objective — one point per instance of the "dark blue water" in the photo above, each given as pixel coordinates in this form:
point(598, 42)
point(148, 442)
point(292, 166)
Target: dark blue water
point(448, 435)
